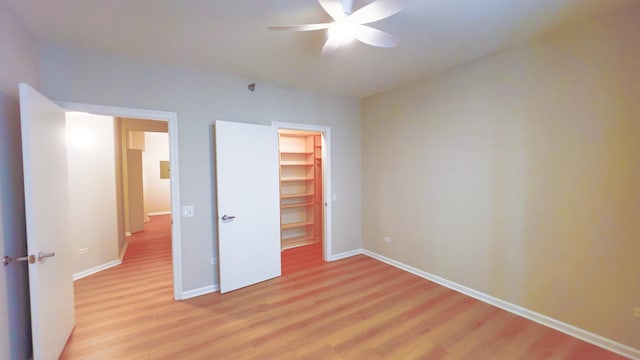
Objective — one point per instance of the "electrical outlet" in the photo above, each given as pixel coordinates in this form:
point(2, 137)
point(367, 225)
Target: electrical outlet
point(83, 251)
point(387, 239)
point(636, 312)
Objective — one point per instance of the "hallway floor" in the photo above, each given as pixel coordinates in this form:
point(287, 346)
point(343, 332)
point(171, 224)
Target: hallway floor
point(110, 304)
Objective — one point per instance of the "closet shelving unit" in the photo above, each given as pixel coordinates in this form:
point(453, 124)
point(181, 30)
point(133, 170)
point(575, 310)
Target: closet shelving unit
point(298, 188)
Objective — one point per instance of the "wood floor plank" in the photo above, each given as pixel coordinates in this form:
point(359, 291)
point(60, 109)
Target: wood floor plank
point(355, 308)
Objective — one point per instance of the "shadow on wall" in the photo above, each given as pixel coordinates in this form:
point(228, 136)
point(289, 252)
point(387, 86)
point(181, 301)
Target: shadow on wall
point(13, 228)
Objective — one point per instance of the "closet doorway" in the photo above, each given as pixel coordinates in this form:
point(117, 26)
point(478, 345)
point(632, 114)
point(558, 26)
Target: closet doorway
point(304, 194)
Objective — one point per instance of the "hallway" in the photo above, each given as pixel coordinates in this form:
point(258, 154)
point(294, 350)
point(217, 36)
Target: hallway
point(109, 304)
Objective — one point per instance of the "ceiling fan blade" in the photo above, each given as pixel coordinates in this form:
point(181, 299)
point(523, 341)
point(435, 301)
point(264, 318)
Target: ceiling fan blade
point(333, 8)
point(377, 10)
point(375, 37)
point(306, 27)
point(347, 6)
point(331, 45)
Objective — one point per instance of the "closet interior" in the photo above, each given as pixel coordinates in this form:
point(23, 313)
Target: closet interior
point(301, 195)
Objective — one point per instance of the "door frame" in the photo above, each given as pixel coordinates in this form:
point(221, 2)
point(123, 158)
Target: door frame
point(174, 175)
point(326, 177)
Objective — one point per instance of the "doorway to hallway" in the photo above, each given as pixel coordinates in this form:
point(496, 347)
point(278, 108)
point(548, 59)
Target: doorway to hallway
point(109, 306)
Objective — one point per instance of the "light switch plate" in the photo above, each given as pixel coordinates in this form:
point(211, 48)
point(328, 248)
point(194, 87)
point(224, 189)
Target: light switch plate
point(187, 211)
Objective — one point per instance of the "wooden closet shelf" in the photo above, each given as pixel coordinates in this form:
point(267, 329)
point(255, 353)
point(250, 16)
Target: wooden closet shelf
point(296, 179)
point(290, 196)
point(297, 224)
point(288, 243)
point(296, 152)
point(297, 164)
point(292, 134)
point(297, 205)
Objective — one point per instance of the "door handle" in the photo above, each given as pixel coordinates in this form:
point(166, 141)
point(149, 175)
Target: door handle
point(31, 259)
point(227, 217)
point(6, 260)
point(42, 256)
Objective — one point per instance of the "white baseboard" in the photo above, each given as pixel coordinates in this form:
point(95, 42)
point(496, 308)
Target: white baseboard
point(96, 269)
point(215, 287)
point(159, 213)
point(124, 250)
point(344, 255)
point(201, 291)
point(571, 330)
point(105, 266)
point(127, 234)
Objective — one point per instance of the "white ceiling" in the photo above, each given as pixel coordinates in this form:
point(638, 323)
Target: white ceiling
point(232, 36)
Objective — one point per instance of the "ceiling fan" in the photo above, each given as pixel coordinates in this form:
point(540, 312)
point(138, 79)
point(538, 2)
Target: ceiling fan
point(347, 26)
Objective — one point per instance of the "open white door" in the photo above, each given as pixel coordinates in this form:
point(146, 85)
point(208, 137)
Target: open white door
point(46, 190)
point(248, 204)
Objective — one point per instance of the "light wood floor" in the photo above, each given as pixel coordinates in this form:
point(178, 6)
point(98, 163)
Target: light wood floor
point(302, 258)
point(357, 308)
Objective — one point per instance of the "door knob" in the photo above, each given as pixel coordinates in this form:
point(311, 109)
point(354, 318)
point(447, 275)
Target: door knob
point(31, 259)
point(42, 256)
point(227, 217)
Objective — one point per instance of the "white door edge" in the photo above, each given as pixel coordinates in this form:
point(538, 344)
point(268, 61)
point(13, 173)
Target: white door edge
point(326, 173)
point(172, 119)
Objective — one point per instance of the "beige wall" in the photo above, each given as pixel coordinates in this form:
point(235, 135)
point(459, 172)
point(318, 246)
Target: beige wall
point(93, 197)
point(200, 98)
point(137, 141)
point(18, 62)
point(517, 175)
point(135, 191)
point(157, 191)
point(117, 143)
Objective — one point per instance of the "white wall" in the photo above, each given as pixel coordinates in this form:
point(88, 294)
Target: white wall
point(157, 191)
point(200, 98)
point(18, 63)
point(92, 185)
point(517, 175)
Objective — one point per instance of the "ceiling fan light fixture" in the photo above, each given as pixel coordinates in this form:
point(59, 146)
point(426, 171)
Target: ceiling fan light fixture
point(342, 32)
point(348, 27)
